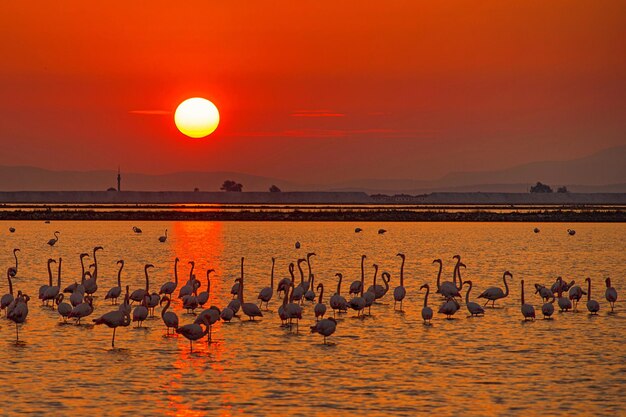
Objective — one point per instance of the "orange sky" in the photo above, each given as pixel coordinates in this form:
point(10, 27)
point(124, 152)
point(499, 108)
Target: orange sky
point(312, 90)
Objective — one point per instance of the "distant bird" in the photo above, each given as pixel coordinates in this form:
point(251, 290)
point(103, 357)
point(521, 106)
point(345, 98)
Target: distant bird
point(592, 305)
point(610, 294)
point(536, 230)
point(163, 238)
point(320, 307)
point(114, 319)
point(297, 245)
point(381, 231)
point(571, 232)
point(136, 229)
point(47, 222)
point(13, 270)
point(528, 311)
point(12, 229)
point(325, 327)
point(170, 319)
point(427, 312)
point(358, 230)
point(54, 240)
point(474, 309)
point(495, 293)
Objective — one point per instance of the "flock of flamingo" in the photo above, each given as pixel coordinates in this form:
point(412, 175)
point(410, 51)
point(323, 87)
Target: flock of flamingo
point(295, 297)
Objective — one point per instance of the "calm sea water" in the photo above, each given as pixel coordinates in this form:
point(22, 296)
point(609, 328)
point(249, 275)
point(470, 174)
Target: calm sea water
point(389, 363)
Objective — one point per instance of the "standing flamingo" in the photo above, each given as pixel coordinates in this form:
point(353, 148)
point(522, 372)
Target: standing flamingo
point(18, 313)
point(7, 298)
point(265, 295)
point(320, 307)
point(43, 288)
point(495, 293)
point(203, 297)
point(53, 290)
point(325, 327)
point(213, 314)
point(169, 287)
point(575, 294)
point(400, 292)
point(114, 319)
point(427, 312)
point(91, 284)
point(54, 240)
point(249, 309)
point(298, 291)
point(140, 313)
point(138, 295)
point(163, 238)
point(189, 287)
point(64, 309)
point(193, 331)
point(170, 319)
point(564, 303)
point(547, 309)
point(84, 309)
point(358, 302)
point(72, 287)
point(309, 295)
point(528, 311)
point(14, 269)
point(610, 294)
point(115, 292)
point(355, 287)
point(592, 305)
point(475, 309)
point(337, 301)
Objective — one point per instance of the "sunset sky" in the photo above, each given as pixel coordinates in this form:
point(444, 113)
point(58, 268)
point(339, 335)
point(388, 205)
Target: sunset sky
point(312, 90)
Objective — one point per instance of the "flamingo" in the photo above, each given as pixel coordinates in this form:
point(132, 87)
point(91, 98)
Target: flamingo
point(320, 307)
point(43, 288)
point(91, 284)
point(169, 287)
point(358, 302)
point(213, 314)
point(227, 314)
point(358, 230)
point(249, 309)
point(355, 287)
point(115, 292)
point(64, 309)
point(447, 289)
point(136, 229)
point(592, 305)
point(370, 295)
point(234, 290)
point(125, 306)
point(610, 294)
point(528, 311)
point(14, 269)
point(203, 297)
point(310, 294)
point(190, 302)
point(495, 293)
point(7, 298)
point(153, 301)
point(189, 287)
point(282, 309)
point(12, 229)
point(325, 327)
point(54, 240)
point(547, 309)
point(449, 308)
point(170, 319)
point(337, 301)
point(265, 295)
point(284, 283)
point(544, 292)
point(114, 319)
point(53, 290)
point(72, 287)
point(381, 231)
point(193, 331)
point(163, 238)
point(18, 313)
point(378, 290)
point(138, 295)
point(140, 313)
point(298, 292)
point(400, 292)
point(475, 309)
point(575, 294)
point(84, 309)
point(564, 303)
point(427, 312)
point(293, 310)
point(79, 292)
point(560, 284)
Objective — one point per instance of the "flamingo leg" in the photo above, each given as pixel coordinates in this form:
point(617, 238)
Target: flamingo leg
point(17, 334)
point(113, 340)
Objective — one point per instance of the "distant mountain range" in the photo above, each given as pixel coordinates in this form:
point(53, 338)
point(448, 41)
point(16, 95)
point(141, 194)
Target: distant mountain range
point(603, 171)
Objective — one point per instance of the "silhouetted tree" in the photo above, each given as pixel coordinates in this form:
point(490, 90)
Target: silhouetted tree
point(562, 189)
point(195, 190)
point(274, 189)
point(230, 185)
point(540, 188)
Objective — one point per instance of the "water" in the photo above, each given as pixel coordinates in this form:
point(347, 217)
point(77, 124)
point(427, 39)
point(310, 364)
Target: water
point(389, 363)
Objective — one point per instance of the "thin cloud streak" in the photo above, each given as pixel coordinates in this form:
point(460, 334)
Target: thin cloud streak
point(151, 112)
point(316, 113)
point(341, 133)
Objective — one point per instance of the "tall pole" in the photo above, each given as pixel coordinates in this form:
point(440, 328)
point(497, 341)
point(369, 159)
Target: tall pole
point(119, 179)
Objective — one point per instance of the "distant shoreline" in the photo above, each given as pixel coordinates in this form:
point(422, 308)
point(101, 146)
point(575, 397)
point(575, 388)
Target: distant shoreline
point(586, 216)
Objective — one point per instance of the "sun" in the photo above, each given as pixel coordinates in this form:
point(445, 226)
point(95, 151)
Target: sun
point(196, 117)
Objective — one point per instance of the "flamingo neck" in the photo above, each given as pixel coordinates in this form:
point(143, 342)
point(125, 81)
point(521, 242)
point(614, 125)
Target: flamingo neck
point(321, 294)
point(119, 275)
point(10, 284)
point(272, 276)
point(426, 297)
point(402, 273)
point(468, 293)
point(522, 284)
point(241, 284)
point(439, 275)
point(506, 286)
point(339, 285)
point(176, 271)
point(49, 275)
point(588, 289)
point(59, 275)
point(167, 305)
